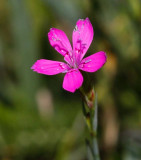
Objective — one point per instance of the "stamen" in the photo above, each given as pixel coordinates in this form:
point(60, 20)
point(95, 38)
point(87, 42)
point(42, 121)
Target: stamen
point(70, 53)
point(76, 28)
point(72, 59)
point(65, 71)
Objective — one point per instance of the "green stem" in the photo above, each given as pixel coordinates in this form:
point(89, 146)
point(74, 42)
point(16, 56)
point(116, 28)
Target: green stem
point(94, 136)
point(91, 118)
point(95, 149)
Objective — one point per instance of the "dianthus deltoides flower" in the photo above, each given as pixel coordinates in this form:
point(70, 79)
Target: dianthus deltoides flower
point(81, 38)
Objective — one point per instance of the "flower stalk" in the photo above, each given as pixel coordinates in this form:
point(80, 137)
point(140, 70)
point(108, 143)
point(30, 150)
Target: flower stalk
point(90, 111)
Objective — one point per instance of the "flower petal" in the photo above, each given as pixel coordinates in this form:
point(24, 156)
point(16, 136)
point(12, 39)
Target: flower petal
point(49, 67)
point(72, 80)
point(82, 37)
point(59, 41)
point(93, 62)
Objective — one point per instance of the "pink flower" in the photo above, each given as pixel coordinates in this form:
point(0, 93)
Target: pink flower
point(81, 38)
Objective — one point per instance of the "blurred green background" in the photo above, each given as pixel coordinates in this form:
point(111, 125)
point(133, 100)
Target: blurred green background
point(41, 121)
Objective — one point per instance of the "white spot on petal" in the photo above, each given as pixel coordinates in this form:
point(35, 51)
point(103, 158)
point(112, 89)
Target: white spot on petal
point(53, 39)
point(61, 65)
point(88, 60)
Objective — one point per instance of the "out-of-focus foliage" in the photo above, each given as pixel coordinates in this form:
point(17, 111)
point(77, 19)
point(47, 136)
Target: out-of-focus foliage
point(38, 119)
